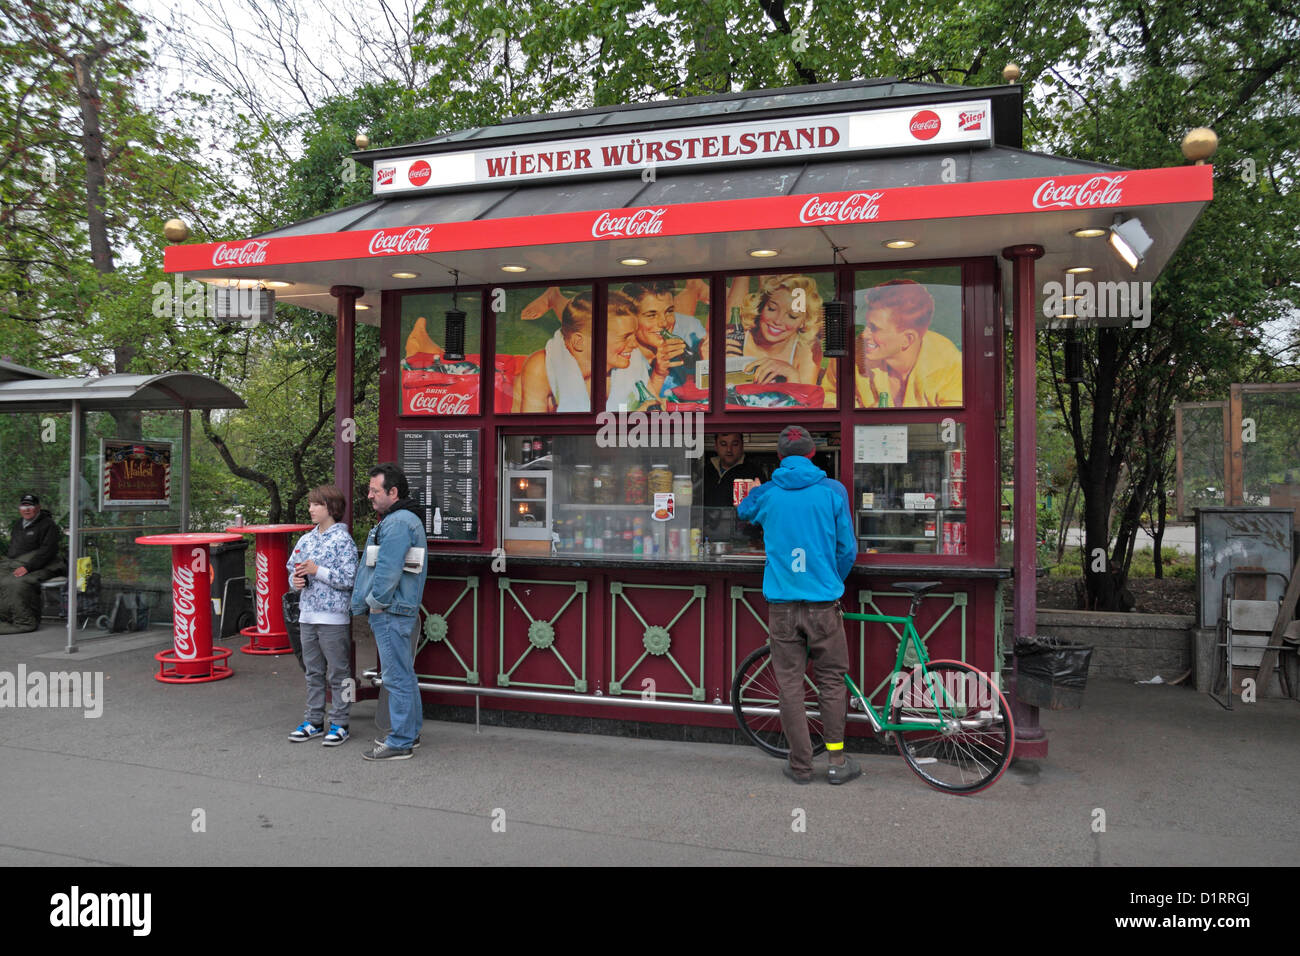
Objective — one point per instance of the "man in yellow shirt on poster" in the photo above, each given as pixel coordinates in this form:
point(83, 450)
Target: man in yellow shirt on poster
point(900, 361)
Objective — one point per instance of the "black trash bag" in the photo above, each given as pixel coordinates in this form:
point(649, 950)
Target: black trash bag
point(1052, 672)
point(292, 612)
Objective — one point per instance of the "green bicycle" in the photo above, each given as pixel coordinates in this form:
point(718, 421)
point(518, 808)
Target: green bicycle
point(949, 721)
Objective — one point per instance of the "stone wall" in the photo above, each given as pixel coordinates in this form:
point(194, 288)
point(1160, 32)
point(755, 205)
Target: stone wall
point(1131, 646)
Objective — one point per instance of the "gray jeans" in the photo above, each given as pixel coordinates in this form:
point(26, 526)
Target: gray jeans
point(327, 644)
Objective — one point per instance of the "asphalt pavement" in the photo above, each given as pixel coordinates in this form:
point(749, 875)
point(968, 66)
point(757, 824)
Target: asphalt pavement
point(203, 775)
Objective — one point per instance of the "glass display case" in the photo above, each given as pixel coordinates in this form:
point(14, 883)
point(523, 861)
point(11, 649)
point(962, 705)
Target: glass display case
point(909, 484)
point(571, 496)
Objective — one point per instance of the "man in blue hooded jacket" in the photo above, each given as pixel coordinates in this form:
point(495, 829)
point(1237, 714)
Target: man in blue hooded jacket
point(808, 535)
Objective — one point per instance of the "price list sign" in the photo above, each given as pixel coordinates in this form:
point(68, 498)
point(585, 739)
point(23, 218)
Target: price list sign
point(443, 470)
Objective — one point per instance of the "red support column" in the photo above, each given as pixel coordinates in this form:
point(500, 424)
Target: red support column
point(344, 366)
point(1030, 739)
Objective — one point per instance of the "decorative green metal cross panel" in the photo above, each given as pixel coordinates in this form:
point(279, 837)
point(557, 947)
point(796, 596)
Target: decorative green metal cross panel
point(867, 605)
point(437, 631)
point(656, 640)
point(543, 636)
point(738, 601)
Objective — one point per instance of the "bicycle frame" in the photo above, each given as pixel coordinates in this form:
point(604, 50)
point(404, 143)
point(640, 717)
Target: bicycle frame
point(910, 638)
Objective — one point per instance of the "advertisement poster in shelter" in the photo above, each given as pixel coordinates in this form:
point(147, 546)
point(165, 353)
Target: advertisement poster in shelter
point(431, 383)
point(657, 345)
point(774, 341)
point(544, 349)
point(135, 474)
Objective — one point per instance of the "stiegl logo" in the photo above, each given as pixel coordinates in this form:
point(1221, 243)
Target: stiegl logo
point(76, 909)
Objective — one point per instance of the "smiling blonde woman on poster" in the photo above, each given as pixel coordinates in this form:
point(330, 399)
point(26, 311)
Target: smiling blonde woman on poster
point(782, 321)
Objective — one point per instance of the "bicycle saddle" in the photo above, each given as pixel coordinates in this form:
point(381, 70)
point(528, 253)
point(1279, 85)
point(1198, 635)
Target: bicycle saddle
point(918, 588)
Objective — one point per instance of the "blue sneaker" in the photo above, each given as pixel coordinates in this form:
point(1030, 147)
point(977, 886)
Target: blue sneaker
point(305, 731)
point(335, 737)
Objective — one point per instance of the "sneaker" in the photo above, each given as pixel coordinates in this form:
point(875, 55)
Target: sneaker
point(335, 737)
point(379, 742)
point(386, 753)
point(789, 772)
point(844, 773)
point(305, 731)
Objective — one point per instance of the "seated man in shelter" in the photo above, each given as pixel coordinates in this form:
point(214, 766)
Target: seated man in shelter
point(33, 557)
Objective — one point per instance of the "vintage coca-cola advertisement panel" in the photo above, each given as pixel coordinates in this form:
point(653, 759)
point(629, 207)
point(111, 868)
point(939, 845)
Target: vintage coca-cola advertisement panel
point(431, 383)
point(545, 349)
point(773, 352)
point(657, 353)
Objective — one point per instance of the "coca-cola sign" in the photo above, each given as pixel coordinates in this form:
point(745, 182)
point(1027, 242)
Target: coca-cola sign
point(1097, 191)
point(252, 253)
point(419, 173)
point(437, 400)
point(925, 124)
point(858, 207)
point(413, 240)
point(643, 222)
point(263, 594)
point(184, 619)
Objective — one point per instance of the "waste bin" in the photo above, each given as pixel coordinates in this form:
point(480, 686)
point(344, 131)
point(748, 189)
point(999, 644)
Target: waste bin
point(1051, 672)
point(229, 588)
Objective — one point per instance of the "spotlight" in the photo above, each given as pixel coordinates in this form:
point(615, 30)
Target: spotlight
point(1129, 240)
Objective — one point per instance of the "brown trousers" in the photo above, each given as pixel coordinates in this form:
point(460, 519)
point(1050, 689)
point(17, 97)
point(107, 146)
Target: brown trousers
point(801, 630)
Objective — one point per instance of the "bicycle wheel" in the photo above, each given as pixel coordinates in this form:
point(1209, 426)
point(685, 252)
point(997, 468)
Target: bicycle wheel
point(956, 759)
point(755, 686)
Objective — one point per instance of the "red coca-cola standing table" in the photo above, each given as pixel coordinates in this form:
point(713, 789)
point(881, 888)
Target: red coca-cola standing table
point(192, 659)
point(271, 541)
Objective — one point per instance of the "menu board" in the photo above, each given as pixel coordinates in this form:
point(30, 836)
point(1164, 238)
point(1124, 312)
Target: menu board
point(442, 468)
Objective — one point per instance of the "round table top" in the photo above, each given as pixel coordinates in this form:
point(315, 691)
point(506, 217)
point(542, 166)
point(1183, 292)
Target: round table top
point(269, 528)
point(188, 537)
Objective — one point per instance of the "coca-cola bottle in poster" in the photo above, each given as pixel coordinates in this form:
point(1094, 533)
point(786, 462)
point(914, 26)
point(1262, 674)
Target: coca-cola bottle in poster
point(432, 385)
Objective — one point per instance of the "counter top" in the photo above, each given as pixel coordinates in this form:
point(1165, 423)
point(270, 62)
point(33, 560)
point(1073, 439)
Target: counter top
point(745, 564)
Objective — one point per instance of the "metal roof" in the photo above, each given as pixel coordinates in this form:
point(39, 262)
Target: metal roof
point(10, 372)
point(170, 390)
point(745, 105)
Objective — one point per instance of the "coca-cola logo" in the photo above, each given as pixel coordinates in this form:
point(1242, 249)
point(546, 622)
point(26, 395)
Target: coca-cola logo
point(438, 402)
point(1097, 191)
point(419, 173)
point(415, 239)
point(925, 124)
point(643, 222)
point(184, 620)
point(384, 175)
point(971, 120)
point(263, 593)
point(859, 207)
point(249, 254)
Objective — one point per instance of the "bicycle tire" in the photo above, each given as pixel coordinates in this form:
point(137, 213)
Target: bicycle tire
point(755, 685)
point(962, 761)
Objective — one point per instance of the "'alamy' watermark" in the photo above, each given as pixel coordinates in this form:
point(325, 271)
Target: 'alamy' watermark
point(191, 299)
point(71, 689)
point(1085, 299)
point(75, 908)
point(624, 429)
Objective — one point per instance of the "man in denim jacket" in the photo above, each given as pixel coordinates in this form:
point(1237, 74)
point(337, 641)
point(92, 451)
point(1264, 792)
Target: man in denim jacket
point(391, 596)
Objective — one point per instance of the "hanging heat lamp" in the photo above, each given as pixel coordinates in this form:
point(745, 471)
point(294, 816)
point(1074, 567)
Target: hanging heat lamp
point(838, 316)
point(1073, 357)
point(454, 346)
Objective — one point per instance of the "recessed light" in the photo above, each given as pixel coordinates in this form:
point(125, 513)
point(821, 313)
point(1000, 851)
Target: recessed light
point(1088, 232)
point(1079, 270)
point(899, 244)
point(764, 253)
point(362, 307)
point(1067, 315)
point(230, 282)
point(1068, 297)
point(277, 284)
point(406, 275)
point(514, 268)
point(634, 261)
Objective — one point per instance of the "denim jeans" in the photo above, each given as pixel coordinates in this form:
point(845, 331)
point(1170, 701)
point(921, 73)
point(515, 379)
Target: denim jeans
point(393, 641)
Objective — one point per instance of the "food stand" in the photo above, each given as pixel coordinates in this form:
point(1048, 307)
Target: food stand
point(641, 284)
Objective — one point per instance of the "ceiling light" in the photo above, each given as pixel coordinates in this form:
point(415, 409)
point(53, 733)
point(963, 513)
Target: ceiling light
point(899, 244)
point(362, 307)
point(406, 275)
point(277, 284)
point(1130, 241)
point(634, 261)
point(514, 268)
point(1079, 270)
point(1067, 315)
point(1088, 232)
point(764, 253)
